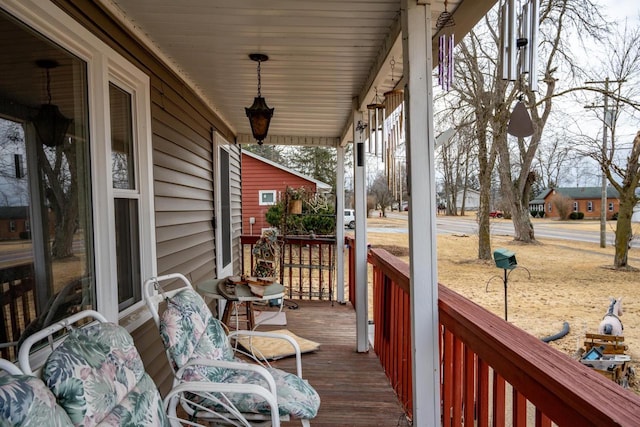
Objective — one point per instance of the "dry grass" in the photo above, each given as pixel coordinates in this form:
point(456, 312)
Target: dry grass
point(570, 281)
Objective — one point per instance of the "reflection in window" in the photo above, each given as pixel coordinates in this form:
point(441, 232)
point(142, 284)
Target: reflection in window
point(125, 201)
point(127, 250)
point(45, 201)
point(122, 160)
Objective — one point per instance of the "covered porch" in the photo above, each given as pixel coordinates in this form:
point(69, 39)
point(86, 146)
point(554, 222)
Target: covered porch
point(446, 359)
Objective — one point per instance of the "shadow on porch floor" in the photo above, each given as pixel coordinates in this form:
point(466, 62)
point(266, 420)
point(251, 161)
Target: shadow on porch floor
point(353, 387)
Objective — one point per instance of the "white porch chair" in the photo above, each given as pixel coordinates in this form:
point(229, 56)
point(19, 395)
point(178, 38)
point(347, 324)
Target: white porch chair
point(199, 349)
point(97, 375)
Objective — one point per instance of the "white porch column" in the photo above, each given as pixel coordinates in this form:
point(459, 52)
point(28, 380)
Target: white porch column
point(340, 224)
point(416, 45)
point(360, 197)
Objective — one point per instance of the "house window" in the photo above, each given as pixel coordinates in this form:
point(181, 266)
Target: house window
point(86, 201)
point(589, 206)
point(123, 161)
point(610, 206)
point(575, 206)
point(267, 197)
point(549, 207)
point(46, 180)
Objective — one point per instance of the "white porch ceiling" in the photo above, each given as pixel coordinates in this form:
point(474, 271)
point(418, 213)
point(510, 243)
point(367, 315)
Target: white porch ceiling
point(322, 55)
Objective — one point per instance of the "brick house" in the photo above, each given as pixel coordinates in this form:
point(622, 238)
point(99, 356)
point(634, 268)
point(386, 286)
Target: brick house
point(263, 183)
point(585, 199)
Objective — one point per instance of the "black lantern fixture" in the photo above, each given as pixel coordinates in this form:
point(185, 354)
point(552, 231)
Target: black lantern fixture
point(259, 113)
point(50, 124)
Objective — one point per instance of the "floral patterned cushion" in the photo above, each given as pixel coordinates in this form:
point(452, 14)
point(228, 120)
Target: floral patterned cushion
point(98, 377)
point(26, 402)
point(189, 332)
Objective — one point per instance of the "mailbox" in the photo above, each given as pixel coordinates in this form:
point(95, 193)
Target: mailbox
point(505, 258)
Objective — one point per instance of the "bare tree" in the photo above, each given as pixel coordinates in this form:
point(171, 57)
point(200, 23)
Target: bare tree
point(562, 204)
point(620, 161)
point(479, 85)
point(380, 193)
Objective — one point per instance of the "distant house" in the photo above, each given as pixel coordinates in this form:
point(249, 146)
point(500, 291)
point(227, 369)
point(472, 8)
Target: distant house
point(263, 183)
point(472, 199)
point(14, 222)
point(585, 199)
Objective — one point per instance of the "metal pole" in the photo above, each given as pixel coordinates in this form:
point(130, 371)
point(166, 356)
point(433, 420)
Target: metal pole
point(506, 277)
point(603, 202)
point(603, 165)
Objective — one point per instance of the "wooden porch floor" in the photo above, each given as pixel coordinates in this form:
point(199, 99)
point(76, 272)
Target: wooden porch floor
point(353, 387)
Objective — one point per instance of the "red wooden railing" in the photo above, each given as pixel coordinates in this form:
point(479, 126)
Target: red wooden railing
point(492, 372)
point(307, 266)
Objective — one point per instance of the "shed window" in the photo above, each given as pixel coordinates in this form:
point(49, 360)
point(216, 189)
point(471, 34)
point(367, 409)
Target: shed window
point(267, 197)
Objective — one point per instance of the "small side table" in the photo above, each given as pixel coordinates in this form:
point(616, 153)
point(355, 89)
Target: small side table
point(233, 294)
point(209, 288)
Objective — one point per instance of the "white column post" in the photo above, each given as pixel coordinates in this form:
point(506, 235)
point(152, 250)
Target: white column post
point(340, 224)
point(360, 197)
point(416, 38)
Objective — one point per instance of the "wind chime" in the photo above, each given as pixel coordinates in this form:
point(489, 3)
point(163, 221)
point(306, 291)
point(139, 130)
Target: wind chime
point(445, 48)
point(393, 102)
point(376, 124)
point(519, 54)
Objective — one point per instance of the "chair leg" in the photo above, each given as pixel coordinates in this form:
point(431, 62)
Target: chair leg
point(305, 422)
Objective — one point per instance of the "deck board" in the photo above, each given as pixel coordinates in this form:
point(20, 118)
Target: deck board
point(353, 387)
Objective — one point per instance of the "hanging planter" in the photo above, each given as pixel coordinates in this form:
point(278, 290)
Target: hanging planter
point(295, 207)
point(294, 200)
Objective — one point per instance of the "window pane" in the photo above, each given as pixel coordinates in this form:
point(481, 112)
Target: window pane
point(127, 252)
point(122, 157)
point(46, 235)
point(225, 201)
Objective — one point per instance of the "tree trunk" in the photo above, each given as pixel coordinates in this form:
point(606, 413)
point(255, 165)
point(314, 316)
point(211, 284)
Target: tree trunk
point(624, 232)
point(484, 229)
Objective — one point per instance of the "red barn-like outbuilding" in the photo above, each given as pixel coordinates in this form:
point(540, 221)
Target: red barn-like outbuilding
point(263, 183)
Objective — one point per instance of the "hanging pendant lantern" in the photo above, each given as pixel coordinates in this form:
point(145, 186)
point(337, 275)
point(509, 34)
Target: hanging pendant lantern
point(259, 113)
point(50, 124)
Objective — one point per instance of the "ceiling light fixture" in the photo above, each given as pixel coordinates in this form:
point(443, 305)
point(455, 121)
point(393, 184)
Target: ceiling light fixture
point(259, 113)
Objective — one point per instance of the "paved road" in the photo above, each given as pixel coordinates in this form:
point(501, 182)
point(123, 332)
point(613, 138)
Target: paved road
point(543, 229)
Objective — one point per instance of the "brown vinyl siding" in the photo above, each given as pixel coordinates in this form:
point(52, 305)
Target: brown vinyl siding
point(182, 167)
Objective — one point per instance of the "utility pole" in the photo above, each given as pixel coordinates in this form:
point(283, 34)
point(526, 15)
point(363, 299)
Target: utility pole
point(603, 165)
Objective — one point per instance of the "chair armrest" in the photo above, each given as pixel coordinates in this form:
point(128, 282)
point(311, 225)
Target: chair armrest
point(287, 338)
point(228, 365)
point(204, 389)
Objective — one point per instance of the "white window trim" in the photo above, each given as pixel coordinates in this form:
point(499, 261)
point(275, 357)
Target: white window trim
point(589, 206)
point(104, 65)
point(275, 197)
